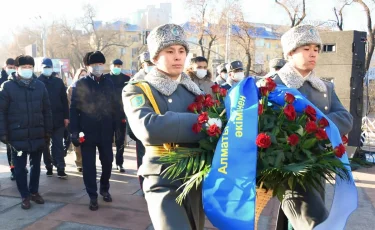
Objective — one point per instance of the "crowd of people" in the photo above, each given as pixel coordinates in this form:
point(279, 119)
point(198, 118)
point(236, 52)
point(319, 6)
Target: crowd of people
point(41, 116)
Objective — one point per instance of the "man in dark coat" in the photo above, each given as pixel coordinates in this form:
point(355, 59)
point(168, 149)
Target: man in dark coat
point(235, 74)
point(60, 116)
point(93, 122)
point(8, 69)
point(119, 80)
point(25, 124)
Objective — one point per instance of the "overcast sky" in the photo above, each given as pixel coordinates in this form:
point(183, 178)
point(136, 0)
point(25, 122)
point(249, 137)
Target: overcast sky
point(16, 14)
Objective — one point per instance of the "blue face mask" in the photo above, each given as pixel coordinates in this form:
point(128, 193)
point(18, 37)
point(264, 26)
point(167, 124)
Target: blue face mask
point(10, 71)
point(25, 73)
point(47, 72)
point(116, 70)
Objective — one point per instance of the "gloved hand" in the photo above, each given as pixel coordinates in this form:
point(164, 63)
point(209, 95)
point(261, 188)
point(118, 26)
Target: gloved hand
point(4, 139)
point(75, 139)
point(216, 121)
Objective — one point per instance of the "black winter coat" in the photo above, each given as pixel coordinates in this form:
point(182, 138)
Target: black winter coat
point(25, 114)
point(58, 98)
point(93, 109)
point(4, 76)
point(119, 82)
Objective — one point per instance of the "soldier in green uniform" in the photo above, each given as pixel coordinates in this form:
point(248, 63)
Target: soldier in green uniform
point(157, 113)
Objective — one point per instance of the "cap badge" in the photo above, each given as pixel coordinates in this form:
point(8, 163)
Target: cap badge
point(175, 32)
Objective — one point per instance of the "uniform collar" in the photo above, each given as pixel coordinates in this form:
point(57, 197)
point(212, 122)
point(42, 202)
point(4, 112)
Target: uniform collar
point(166, 86)
point(293, 79)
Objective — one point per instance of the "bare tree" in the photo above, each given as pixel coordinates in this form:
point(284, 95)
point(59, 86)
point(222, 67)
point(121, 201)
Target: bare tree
point(338, 14)
point(295, 9)
point(370, 32)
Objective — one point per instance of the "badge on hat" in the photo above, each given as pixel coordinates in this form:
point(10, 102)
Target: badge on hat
point(175, 31)
point(137, 101)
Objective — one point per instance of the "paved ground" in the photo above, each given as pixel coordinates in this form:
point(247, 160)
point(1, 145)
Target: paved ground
point(66, 204)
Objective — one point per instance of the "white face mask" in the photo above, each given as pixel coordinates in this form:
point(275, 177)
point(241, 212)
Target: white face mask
point(239, 76)
point(201, 73)
point(148, 68)
point(224, 76)
point(96, 70)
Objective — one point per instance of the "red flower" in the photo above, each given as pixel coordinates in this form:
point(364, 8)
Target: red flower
point(263, 141)
point(123, 120)
point(290, 112)
point(289, 98)
point(81, 139)
point(203, 118)
point(321, 134)
point(199, 106)
point(270, 84)
point(223, 92)
point(12, 166)
point(193, 107)
point(323, 122)
point(197, 128)
point(310, 112)
point(263, 91)
point(213, 130)
point(200, 98)
point(339, 150)
point(217, 102)
point(293, 139)
point(344, 140)
point(208, 102)
point(260, 109)
point(311, 127)
point(215, 88)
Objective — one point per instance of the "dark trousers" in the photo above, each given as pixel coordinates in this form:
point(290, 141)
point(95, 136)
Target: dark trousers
point(140, 152)
point(89, 166)
point(9, 156)
point(120, 144)
point(56, 149)
point(21, 175)
point(67, 141)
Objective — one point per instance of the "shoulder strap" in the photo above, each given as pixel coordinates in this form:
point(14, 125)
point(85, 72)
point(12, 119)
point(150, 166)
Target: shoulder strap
point(147, 90)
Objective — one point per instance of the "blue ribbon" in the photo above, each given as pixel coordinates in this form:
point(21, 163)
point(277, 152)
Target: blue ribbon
point(229, 188)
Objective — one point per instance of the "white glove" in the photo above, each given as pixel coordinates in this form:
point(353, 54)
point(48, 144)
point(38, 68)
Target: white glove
point(216, 121)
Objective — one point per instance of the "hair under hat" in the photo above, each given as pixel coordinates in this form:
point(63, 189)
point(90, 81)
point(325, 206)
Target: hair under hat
point(96, 57)
point(164, 36)
point(299, 36)
point(9, 61)
point(86, 58)
point(24, 60)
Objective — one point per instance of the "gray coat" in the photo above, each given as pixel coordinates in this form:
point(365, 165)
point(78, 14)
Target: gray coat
point(204, 84)
point(174, 125)
point(305, 210)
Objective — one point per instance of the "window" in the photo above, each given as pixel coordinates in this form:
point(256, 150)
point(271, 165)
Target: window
point(122, 51)
point(268, 45)
point(276, 46)
point(135, 38)
point(134, 52)
point(259, 42)
point(329, 48)
point(268, 57)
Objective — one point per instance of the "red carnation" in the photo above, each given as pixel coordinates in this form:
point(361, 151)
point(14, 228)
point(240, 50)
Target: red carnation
point(200, 98)
point(215, 88)
point(270, 84)
point(203, 118)
point(123, 120)
point(263, 91)
point(197, 128)
point(193, 107)
point(290, 112)
point(344, 140)
point(208, 101)
point(260, 109)
point(311, 127)
point(263, 141)
point(289, 98)
point(223, 92)
point(310, 112)
point(323, 123)
point(293, 139)
point(81, 139)
point(321, 134)
point(213, 130)
point(199, 106)
point(339, 150)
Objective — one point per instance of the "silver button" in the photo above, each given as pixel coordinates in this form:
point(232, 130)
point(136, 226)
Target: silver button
point(170, 100)
point(325, 95)
point(326, 108)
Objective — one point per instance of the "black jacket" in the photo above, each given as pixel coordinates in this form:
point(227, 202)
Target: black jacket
point(58, 98)
point(25, 114)
point(93, 109)
point(4, 76)
point(119, 82)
